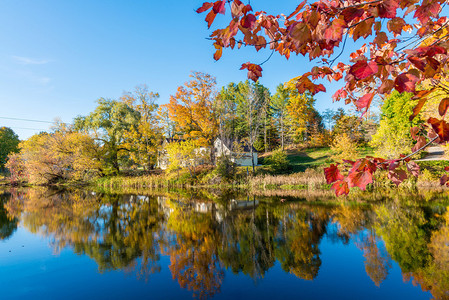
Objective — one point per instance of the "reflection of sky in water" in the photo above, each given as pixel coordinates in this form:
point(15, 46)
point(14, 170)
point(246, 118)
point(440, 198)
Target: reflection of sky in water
point(34, 272)
point(29, 268)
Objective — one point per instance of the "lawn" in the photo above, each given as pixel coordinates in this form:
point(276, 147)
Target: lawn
point(316, 157)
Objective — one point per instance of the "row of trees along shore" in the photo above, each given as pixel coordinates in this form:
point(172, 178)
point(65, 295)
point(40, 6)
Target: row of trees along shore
point(126, 134)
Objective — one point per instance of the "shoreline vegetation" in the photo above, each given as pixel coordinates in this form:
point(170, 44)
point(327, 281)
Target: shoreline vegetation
point(309, 177)
point(280, 144)
point(302, 173)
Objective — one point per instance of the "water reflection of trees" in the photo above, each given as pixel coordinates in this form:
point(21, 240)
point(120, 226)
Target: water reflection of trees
point(204, 238)
point(8, 223)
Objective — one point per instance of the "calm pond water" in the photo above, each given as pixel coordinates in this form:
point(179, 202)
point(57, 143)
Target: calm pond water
point(81, 244)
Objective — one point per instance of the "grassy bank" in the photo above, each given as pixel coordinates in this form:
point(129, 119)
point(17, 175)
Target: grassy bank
point(304, 172)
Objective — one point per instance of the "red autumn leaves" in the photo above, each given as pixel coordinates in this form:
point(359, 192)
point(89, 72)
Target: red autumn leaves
point(388, 60)
point(361, 173)
point(317, 29)
point(363, 69)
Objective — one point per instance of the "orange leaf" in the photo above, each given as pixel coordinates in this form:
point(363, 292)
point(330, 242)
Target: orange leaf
point(254, 71)
point(210, 18)
point(298, 8)
point(418, 108)
point(441, 128)
point(204, 7)
point(396, 25)
point(218, 53)
point(444, 105)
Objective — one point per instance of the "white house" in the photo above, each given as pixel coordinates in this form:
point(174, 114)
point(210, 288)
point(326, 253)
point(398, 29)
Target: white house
point(239, 153)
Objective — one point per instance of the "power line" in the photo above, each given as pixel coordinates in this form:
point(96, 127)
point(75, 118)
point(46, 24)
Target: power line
point(27, 128)
point(28, 120)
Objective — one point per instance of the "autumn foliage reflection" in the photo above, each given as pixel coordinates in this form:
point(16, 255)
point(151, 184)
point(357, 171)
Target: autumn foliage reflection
point(207, 236)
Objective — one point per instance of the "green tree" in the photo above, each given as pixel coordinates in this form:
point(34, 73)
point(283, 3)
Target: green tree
point(109, 123)
point(251, 101)
point(143, 138)
point(393, 135)
point(349, 125)
point(278, 162)
point(9, 143)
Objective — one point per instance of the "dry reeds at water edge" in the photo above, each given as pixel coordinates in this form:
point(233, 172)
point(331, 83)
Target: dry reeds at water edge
point(140, 182)
point(311, 179)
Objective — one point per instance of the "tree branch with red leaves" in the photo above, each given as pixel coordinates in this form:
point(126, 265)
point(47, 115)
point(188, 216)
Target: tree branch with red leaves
point(382, 64)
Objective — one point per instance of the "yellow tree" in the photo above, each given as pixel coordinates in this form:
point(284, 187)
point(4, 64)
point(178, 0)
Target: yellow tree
point(300, 110)
point(193, 109)
point(62, 155)
point(143, 138)
point(185, 154)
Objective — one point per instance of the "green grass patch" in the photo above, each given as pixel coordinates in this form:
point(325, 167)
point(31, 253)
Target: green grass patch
point(436, 167)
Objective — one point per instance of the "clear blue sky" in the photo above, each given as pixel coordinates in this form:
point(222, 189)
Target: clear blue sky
point(57, 57)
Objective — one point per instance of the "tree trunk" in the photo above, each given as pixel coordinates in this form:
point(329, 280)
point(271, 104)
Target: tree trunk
point(252, 159)
point(282, 131)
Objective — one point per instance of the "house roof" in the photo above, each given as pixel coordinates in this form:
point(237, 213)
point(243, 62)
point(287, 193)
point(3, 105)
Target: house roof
point(228, 143)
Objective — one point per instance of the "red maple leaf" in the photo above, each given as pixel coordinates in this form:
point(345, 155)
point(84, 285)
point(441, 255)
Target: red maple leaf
point(335, 31)
point(387, 8)
point(364, 101)
point(362, 69)
point(341, 188)
point(444, 179)
point(352, 13)
point(332, 174)
point(420, 142)
point(397, 176)
point(413, 168)
point(300, 32)
point(360, 179)
point(405, 83)
point(248, 21)
point(219, 7)
point(417, 62)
